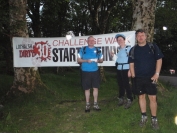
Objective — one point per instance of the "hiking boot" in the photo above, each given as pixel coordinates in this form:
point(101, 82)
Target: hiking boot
point(96, 107)
point(155, 123)
point(121, 102)
point(87, 108)
point(143, 121)
point(128, 104)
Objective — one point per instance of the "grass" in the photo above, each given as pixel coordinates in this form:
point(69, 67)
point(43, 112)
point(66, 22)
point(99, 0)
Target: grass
point(60, 108)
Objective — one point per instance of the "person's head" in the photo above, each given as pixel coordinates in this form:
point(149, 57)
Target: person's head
point(141, 36)
point(91, 41)
point(120, 38)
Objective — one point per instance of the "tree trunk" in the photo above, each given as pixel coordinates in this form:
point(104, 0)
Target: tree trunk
point(33, 11)
point(100, 11)
point(144, 16)
point(25, 79)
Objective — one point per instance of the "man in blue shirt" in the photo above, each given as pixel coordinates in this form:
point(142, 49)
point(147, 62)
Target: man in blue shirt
point(145, 66)
point(89, 57)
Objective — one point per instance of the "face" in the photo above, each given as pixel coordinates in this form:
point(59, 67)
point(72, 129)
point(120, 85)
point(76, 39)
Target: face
point(121, 41)
point(91, 42)
point(141, 38)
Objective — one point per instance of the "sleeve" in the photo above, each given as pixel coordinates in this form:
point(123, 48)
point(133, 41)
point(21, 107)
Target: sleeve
point(100, 55)
point(80, 54)
point(128, 50)
point(130, 57)
point(158, 53)
point(114, 58)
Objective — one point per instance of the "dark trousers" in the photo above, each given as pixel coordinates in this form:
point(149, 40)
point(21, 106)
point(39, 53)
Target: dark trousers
point(123, 83)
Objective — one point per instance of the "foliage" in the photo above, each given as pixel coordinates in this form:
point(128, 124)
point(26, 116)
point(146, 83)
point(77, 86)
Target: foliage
point(5, 47)
point(166, 40)
point(76, 15)
point(59, 108)
point(105, 14)
point(34, 20)
point(54, 18)
point(4, 19)
point(79, 19)
point(121, 17)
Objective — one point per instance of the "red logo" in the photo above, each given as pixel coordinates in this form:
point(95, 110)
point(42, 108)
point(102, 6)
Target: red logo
point(42, 51)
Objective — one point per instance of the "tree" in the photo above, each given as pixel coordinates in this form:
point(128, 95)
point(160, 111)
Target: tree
point(166, 13)
point(5, 46)
point(54, 18)
point(25, 79)
point(121, 17)
point(144, 16)
point(33, 12)
point(79, 14)
point(100, 11)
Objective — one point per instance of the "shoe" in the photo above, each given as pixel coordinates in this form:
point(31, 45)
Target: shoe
point(155, 124)
point(87, 108)
point(143, 121)
point(128, 104)
point(121, 102)
point(96, 107)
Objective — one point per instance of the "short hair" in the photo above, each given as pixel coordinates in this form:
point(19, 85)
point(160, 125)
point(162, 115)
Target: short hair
point(90, 37)
point(140, 31)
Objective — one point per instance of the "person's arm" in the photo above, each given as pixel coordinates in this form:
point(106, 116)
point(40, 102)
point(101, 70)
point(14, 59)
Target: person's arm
point(100, 61)
point(129, 74)
point(158, 68)
point(100, 58)
point(132, 70)
point(79, 60)
point(113, 56)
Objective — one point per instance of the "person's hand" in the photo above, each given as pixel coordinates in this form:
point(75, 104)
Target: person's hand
point(89, 61)
point(129, 74)
point(155, 78)
point(94, 60)
point(112, 53)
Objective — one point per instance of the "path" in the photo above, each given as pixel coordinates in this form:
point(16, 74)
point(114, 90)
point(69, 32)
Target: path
point(171, 79)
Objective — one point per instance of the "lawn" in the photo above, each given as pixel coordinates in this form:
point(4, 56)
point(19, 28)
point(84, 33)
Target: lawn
point(59, 108)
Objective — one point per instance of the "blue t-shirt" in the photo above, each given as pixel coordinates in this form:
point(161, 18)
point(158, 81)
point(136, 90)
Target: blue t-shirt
point(122, 57)
point(145, 60)
point(90, 53)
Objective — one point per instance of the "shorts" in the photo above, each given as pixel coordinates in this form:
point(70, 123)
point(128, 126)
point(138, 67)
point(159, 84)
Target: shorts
point(143, 86)
point(90, 80)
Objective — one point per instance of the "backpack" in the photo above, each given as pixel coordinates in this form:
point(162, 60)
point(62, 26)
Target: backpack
point(118, 49)
point(151, 46)
point(97, 51)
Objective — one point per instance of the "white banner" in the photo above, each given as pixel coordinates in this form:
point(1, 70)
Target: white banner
point(45, 52)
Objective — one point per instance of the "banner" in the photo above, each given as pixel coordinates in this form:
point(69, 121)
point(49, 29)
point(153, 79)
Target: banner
point(59, 52)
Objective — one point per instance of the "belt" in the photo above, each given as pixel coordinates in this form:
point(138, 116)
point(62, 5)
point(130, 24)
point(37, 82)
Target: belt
point(122, 64)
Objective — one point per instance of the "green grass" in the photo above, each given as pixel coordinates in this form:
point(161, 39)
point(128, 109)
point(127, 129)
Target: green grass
point(60, 108)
